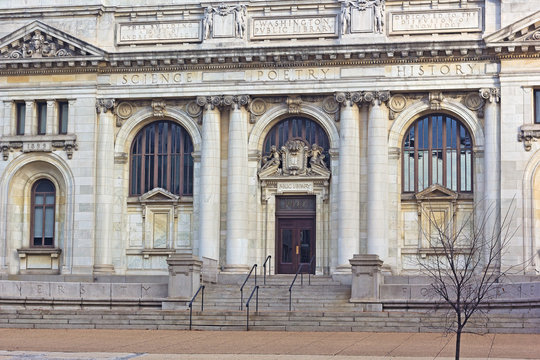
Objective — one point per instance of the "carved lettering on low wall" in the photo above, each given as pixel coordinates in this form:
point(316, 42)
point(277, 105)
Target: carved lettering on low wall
point(294, 27)
point(163, 32)
point(438, 21)
point(424, 70)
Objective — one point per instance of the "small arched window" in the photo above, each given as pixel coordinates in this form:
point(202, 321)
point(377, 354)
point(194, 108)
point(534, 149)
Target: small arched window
point(161, 157)
point(43, 209)
point(437, 149)
point(297, 128)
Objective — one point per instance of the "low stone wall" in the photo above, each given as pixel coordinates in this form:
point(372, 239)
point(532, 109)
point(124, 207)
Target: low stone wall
point(79, 294)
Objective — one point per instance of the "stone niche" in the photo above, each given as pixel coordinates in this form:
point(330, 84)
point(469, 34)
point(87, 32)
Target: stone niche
point(159, 226)
point(39, 260)
point(436, 207)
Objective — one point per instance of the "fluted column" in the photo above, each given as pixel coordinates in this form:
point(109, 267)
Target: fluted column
point(104, 186)
point(237, 186)
point(377, 212)
point(492, 170)
point(348, 180)
point(209, 218)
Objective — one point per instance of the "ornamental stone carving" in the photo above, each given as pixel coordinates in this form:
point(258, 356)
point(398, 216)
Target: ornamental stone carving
point(396, 103)
point(294, 103)
point(159, 108)
point(209, 102)
point(491, 94)
point(374, 9)
point(295, 158)
point(236, 101)
point(376, 97)
point(225, 21)
point(38, 46)
point(527, 134)
point(435, 100)
point(348, 98)
point(257, 107)
point(104, 105)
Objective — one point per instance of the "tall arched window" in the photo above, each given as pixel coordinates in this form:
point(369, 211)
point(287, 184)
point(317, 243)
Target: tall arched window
point(43, 207)
point(437, 149)
point(161, 157)
point(297, 128)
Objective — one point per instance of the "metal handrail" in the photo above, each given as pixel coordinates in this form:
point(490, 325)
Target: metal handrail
point(245, 281)
point(191, 303)
point(301, 279)
point(255, 290)
point(264, 268)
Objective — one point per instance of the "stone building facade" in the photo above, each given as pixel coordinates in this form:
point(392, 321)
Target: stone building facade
point(135, 130)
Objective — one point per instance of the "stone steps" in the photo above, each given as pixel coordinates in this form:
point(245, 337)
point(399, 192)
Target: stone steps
point(264, 320)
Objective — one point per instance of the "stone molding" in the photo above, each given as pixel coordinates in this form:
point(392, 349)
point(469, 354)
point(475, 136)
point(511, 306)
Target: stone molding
point(104, 105)
point(491, 94)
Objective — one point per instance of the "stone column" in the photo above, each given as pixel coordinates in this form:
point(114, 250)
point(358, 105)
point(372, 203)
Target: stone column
point(52, 118)
point(209, 210)
point(237, 186)
point(377, 211)
point(104, 186)
point(348, 180)
point(492, 169)
point(30, 119)
point(8, 120)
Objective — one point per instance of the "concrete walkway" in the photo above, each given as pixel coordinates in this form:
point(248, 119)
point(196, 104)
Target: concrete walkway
point(256, 345)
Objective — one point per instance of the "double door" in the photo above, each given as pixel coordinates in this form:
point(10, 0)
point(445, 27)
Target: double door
point(295, 244)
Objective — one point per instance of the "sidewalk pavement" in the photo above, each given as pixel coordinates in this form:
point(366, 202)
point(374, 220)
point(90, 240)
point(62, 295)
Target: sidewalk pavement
point(256, 345)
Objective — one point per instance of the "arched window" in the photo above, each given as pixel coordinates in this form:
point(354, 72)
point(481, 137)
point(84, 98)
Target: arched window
point(161, 157)
point(43, 208)
point(297, 128)
point(437, 149)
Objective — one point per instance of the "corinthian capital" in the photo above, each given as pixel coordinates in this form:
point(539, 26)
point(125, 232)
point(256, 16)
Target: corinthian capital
point(491, 94)
point(236, 101)
point(376, 97)
point(104, 105)
point(348, 98)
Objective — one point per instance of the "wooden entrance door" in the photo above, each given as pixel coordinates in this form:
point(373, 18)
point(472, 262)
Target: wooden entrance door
point(295, 245)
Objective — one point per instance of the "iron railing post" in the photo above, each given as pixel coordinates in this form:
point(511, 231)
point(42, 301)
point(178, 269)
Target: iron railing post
point(255, 290)
point(245, 281)
point(191, 304)
point(264, 268)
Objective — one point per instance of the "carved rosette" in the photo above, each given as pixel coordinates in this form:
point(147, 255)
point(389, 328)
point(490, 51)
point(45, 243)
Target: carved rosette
point(104, 105)
point(491, 94)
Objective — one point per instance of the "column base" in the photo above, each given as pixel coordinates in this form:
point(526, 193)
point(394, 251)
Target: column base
point(236, 269)
point(105, 269)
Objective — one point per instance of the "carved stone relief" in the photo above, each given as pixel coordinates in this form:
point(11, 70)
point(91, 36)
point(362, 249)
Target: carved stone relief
point(159, 108)
point(225, 21)
point(294, 158)
point(362, 16)
point(38, 45)
point(257, 107)
point(396, 104)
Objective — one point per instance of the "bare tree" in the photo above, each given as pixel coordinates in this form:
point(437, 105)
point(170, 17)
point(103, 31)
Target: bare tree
point(464, 262)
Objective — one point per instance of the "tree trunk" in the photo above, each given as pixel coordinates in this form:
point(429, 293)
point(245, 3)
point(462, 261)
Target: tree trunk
point(458, 342)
